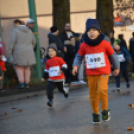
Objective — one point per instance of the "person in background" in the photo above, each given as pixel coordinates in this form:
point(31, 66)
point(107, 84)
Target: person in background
point(30, 23)
point(17, 22)
point(131, 49)
point(20, 53)
point(123, 57)
point(111, 36)
point(107, 37)
point(81, 68)
point(123, 42)
point(53, 38)
point(68, 39)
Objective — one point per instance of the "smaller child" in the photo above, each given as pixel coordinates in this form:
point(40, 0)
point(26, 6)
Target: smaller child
point(54, 71)
point(3, 68)
point(123, 57)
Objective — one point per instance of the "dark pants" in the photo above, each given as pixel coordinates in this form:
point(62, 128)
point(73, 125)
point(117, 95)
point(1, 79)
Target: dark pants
point(68, 72)
point(51, 86)
point(124, 70)
point(133, 63)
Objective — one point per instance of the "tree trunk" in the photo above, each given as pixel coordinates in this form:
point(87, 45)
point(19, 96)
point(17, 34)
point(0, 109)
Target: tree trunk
point(105, 14)
point(61, 13)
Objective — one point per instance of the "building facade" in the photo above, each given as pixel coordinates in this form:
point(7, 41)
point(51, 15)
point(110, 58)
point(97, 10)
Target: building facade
point(80, 11)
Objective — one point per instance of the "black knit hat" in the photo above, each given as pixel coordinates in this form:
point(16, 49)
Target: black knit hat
point(53, 47)
point(92, 23)
point(53, 29)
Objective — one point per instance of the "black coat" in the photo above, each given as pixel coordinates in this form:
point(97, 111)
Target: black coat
point(132, 48)
point(60, 46)
point(123, 43)
point(70, 54)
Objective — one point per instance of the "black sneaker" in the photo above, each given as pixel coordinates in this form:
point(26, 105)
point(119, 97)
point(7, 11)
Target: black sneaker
point(105, 115)
point(96, 119)
point(50, 104)
point(128, 85)
point(66, 95)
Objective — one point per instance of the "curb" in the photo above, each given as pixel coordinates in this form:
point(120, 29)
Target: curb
point(32, 93)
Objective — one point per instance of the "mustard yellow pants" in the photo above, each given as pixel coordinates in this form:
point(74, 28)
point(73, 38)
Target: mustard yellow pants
point(98, 86)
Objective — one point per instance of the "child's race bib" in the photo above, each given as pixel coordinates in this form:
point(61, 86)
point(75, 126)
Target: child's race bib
point(54, 71)
point(96, 60)
point(120, 57)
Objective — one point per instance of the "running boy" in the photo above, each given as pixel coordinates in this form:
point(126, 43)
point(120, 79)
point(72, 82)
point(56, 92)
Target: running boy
point(55, 66)
point(97, 52)
point(123, 57)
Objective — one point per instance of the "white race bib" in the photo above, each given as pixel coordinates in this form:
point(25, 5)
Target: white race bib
point(96, 60)
point(54, 71)
point(4, 58)
point(120, 57)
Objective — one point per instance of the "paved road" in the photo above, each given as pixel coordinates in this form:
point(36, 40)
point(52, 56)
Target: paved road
point(69, 116)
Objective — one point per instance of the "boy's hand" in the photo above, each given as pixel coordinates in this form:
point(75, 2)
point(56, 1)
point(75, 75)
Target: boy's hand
point(0, 78)
point(75, 70)
point(65, 49)
point(124, 59)
point(116, 72)
point(42, 79)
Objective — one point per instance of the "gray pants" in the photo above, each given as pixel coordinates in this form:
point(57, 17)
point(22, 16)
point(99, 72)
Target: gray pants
point(81, 72)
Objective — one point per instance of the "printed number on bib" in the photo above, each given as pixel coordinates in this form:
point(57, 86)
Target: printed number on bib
point(54, 71)
point(96, 60)
point(120, 57)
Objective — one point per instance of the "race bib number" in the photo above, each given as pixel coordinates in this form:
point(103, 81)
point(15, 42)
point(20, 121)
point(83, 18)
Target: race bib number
point(54, 71)
point(120, 57)
point(95, 60)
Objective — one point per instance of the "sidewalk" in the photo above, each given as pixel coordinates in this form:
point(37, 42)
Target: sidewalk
point(13, 95)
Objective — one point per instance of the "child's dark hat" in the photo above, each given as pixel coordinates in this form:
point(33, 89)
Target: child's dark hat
point(92, 23)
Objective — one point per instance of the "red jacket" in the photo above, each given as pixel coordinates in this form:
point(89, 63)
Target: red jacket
point(97, 62)
point(2, 65)
point(53, 66)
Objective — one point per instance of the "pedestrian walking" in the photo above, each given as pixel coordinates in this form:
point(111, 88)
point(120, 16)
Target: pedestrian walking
point(131, 49)
point(123, 57)
point(54, 72)
point(20, 53)
point(97, 52)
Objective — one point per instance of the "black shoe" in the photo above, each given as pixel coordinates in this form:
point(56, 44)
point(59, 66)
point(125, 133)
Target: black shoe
point(96, 119)
point(66, 95)
point(27, 86)
point(106, 115)
point(128, 85)
point(50, 104)
point(21, 86)
point(66, 91)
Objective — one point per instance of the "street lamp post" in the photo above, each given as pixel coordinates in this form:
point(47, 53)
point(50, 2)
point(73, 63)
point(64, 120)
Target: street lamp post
point(32, 11)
